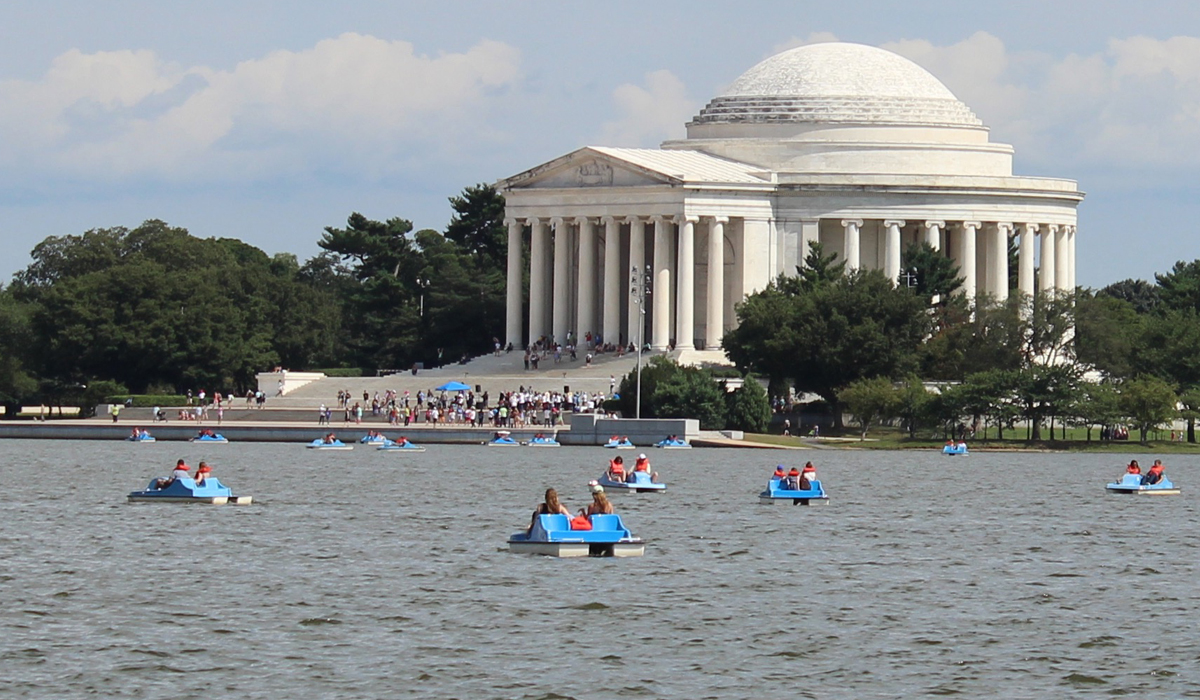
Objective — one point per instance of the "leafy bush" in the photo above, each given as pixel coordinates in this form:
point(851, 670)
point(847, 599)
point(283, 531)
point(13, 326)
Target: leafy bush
point(344, 372)
point(748, 407)
point(149, 400)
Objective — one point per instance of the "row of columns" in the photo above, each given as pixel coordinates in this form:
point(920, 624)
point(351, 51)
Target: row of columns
point(671, 235)
point(981, 253)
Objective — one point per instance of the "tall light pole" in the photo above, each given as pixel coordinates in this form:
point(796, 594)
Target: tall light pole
point(639, 289)
point(423, 283)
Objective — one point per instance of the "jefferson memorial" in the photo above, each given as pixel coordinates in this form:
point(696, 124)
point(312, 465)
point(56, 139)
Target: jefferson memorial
point(849, 145)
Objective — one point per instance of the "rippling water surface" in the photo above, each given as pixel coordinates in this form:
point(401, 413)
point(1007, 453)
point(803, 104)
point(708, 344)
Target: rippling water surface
point(370, 574)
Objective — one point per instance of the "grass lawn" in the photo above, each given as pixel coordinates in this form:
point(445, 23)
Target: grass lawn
point(1076, 440)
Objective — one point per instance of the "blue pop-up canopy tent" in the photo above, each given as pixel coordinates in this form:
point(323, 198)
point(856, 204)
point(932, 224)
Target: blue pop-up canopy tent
point(453, 386)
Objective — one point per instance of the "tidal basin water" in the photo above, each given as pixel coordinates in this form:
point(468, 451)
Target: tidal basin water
point(368, 574)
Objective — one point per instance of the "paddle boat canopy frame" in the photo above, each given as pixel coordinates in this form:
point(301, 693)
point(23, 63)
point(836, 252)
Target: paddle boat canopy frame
point(1132, 484)
point(814, 496)
point(212, 491)
point(552, 536)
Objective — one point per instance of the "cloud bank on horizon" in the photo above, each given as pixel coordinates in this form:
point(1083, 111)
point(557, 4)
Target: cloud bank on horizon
point(362, 109)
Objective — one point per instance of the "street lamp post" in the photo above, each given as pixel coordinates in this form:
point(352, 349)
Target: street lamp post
point(639, 289)
point(423, 283)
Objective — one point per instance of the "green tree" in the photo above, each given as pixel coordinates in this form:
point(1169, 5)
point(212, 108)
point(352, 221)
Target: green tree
point(1148, 402)
point(1099, 405)
point(1139, 294)
point(16, 383)
point(870, 401)
point(386, 318)
point(748, 407)
point(691, 393)
point(477, 226)
point(912, 402)
point(970, 339)
point(820, 268)
point(1107, 333)
point(826, 336)
point(1179, 289)
point(935, 276)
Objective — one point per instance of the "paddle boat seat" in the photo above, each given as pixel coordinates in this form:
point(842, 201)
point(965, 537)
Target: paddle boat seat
point(557, 528)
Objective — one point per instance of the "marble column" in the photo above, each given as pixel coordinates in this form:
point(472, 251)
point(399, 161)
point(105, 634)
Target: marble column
point(715, 309)
point(685, 296)
point(637, 261)
point(660, 336)
point(612, 281)
point(1025, 260)
point(998, 261)
point(1047, 267)
point(1062, 279)
point(513, 323)
point(891, 250)
point(586, 310)
point(852, 228)
point(965, 256)
point(933, 234)
point(562, 270)
point(539, 247)
point(1071, 258)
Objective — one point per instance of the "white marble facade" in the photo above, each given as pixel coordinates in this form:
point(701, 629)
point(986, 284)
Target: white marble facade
point(849, 145)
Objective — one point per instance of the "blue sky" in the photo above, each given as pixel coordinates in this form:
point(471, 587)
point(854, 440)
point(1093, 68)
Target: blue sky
point(267, 121)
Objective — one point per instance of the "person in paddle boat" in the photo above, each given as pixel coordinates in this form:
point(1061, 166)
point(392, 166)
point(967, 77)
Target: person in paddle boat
point(779, 474)
point(1133, 468)
point(181, 471)
point(402, 441)
point(809, 472)
point(329, 439)
point(1154, 474)
point(207, 432)
point(600, 504)
point(616, 469)
point(549, 506)
point(202, 472)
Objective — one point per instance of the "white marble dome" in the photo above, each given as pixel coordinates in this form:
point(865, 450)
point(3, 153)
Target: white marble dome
point(837, 83)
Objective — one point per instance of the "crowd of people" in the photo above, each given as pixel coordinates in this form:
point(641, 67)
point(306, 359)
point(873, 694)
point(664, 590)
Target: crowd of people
point(511, 409)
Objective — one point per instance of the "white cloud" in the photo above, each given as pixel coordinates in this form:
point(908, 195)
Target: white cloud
point(129, 113)
point(651, 113)
point(1135, 104)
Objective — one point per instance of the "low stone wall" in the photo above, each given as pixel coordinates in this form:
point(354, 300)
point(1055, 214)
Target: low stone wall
point(592, 429)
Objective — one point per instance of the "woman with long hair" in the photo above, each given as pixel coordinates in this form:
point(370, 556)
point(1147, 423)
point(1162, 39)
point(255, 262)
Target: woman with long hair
point(550, 506)
point(600, 504)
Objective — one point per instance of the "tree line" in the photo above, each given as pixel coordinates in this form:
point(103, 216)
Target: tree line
point(154, 309)
point(1126, 354)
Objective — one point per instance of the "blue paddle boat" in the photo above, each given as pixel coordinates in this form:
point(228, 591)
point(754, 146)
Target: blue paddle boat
point(210, 437)
point(186, 491)
point(540, 440)
point(1132, 484)
point(775, 493)
point(958, 449)
point(502, 438)
point(551, 535)
point(673, 443)
point(334, 444)
point(375, 439)
point(142, 436)
point(642, 483)
point(615, 443)
point(396, 446)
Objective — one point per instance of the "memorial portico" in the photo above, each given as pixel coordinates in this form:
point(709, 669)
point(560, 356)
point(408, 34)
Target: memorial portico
point(846, 145)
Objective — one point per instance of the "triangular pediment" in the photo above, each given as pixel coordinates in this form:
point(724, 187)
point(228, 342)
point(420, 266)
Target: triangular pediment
point(587, 168)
